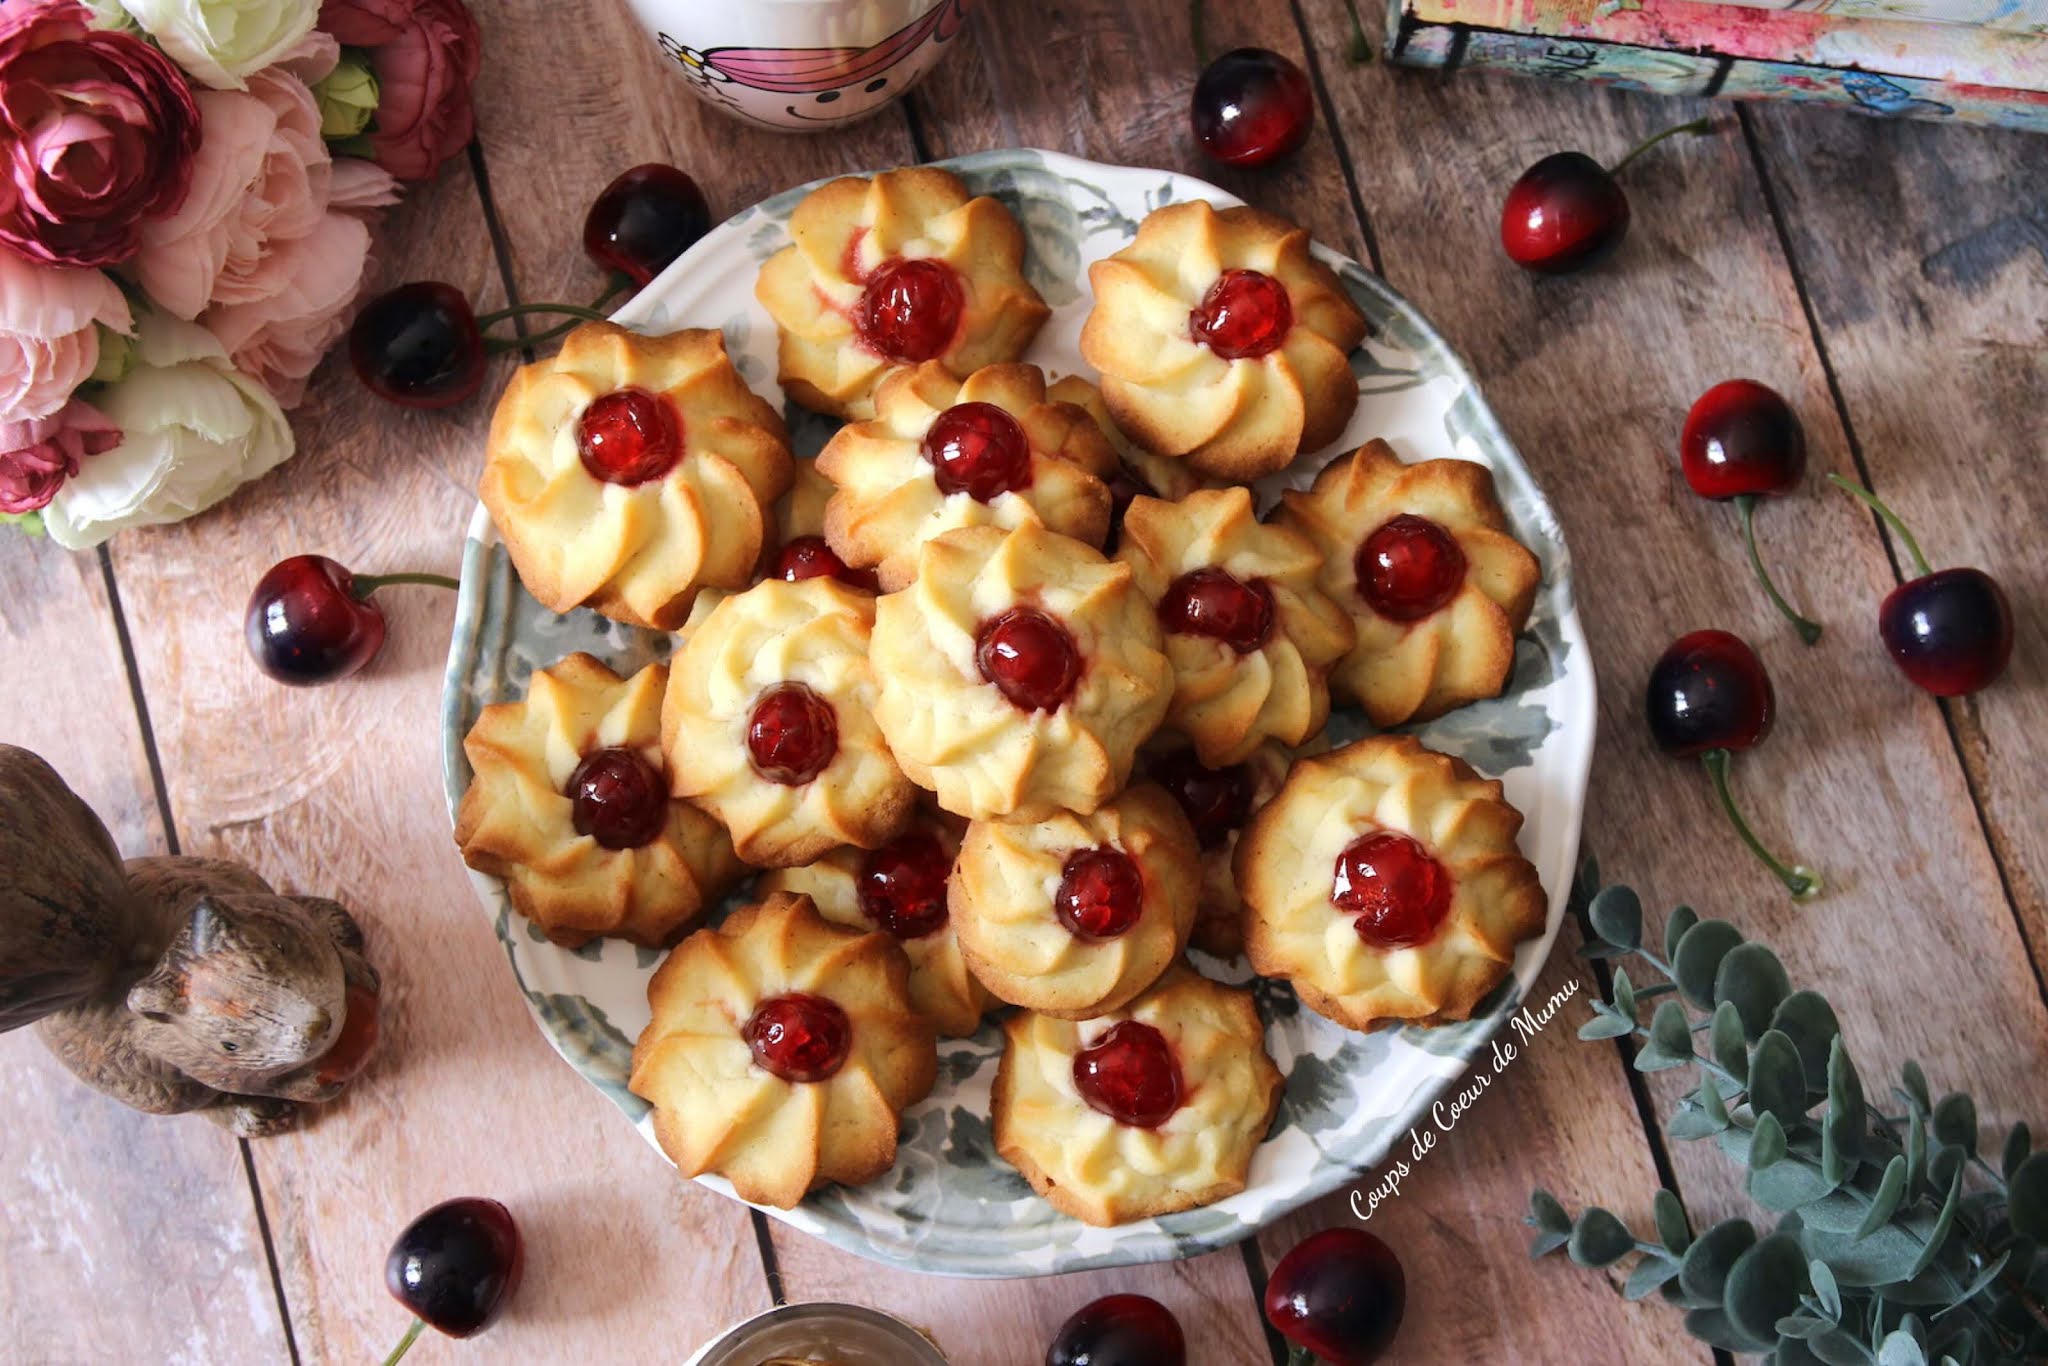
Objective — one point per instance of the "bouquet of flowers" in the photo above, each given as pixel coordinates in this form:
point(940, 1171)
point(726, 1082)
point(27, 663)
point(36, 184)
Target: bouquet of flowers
point(188, 190)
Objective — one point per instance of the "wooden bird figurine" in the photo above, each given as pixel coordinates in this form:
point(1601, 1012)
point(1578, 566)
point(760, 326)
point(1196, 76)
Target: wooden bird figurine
point(173, 984)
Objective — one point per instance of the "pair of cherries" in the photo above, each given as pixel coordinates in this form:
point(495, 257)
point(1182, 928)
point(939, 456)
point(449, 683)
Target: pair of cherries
point(1337, 1296)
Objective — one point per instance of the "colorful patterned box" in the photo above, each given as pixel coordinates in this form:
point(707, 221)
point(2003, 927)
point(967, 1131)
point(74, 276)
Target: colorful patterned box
point(1979, 61)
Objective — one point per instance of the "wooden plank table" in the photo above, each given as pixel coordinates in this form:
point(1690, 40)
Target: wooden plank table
point(1891, 279)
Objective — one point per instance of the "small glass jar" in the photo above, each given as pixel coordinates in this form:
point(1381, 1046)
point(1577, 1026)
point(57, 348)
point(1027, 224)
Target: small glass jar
point(841, 1334)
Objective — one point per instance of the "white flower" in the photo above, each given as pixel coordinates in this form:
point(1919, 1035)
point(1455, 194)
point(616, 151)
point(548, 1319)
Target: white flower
point(221, 42)
point(194, 429)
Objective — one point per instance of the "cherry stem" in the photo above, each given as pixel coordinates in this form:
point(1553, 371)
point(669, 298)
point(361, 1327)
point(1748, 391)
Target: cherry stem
point(405, 1343)
point(498, 346)
point(520, 310)
point(1891, 519)
point(1697, 126)
point(1809, 631)
point(1298, 1355)
point(1801, 881)
point(366, 584)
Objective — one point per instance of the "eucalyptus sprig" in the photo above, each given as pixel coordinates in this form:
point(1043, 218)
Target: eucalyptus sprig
point(1896, 1241)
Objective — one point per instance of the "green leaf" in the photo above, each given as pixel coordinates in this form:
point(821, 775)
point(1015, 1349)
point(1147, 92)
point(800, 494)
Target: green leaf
point(1711, 1326)
point(1703, 1270)
point(1672, 1229)
point(1777, 1079)
point(1955, 1121)
point(1824, 1286)
point(1979, 1285)
point(1803, 1325)
point(1835, 1165)
point(1543, 1244)
point(1752, 979)
point(1916, 1148)
point(1767, 1144)
point(1883, 1258)
point(1848, 1117)
point(1916, 1083)
point(1605, 1024)
point(1809, 1021)
point(1787, 1185)
point(1546, 1213)
point(1891, 1187)
point(1699, 957)
point(1725, 1037)
point(1624, 993)
point(1943, 1222)
point(1691, 1122)
point(2026, 1195)
point(1899, 1349)
point(2018, 1144)
point(1946, 1160)
point(1649, 1273)
point(1599, 1239)
point(1681, 919)
point(1712, 1101)
point(1617, 916)
point(1839, 1349)
point(1764, 1285)
point(1651, 1058)
point(1670, 1030)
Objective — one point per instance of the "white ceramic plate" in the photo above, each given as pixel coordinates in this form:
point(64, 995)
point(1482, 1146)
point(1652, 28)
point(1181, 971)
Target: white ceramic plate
point(951, 1205)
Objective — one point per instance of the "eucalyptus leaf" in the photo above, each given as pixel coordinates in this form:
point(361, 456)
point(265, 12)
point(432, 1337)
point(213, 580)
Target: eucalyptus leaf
point(1955, 1121)
point(1712, 1101)
point(1703, 1270)
point(1803, 1325)
point(1916, 1083)
point(1543, 1244)
point(1890, 1189)
point(1546, 1213)
point(1809, 1021)
point(1848, 1117)
point(1764, 1285)
point(1944, 1163)
point(1606, 1024)
point(2026, 1195)
point(1784, 1186)
point(1767, 1145)
point(1943, 1222)
point(1839, 1349)
point(1882, 1258)
point(1599, 1239)
point(1650, 1058)
point(1691, 1123)
point(1899, 1349)
point(1733, 1142)
point(1672, 1228)
point(1824, 1286)
point(1916, 1150)
point(1712, 1327)
point(1729, 1044)
point(1670, 1030)
point(2018, 1144)
point(1752, 979)
point(1982, 1282)
point(1698, 957)
point(1617, 916)
point(1777, 1079)
point(1624, 994)
point(1681, 919)
point(1649, 1274)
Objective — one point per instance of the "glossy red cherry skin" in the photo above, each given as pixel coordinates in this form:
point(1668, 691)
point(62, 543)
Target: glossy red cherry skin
point(910, 310)
point(1214, 603)
point(418, 346)
point(979, 450)
point(1340, 1294)
point(629, 436)
point(809, 557)
point(643, 220)
point(1409, 568)
point(1949, 631)
point(1243, 316)
point(1708, 691)
point(305, 625)
point(792, 734)
point(799, 1037)
point(902, 885)
point(1030, 657)
point(1120, 1330)
point(617, 798)
point(1101, 893)
point(1398, 891)
point(1130, 1074)
point(457, 1265)
point(1216, 801)
point(1563, 214)
point(1741, 437)
point(1251, 106)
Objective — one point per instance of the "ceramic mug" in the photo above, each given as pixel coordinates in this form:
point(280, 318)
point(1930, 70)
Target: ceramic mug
point(801, 65)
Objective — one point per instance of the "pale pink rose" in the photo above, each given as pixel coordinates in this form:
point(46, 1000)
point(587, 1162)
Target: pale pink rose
point(425, 54)
point(278, 338)
point(37, 456)
point(47, 342)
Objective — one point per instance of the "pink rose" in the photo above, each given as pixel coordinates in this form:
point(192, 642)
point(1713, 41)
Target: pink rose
point(97, 135)
point(48, 344)
point(425, 54)
point(277, 339)
point(37, 456)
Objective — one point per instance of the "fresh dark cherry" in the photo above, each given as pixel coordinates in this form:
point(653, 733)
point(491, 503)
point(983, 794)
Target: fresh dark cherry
point(1213, 602)
point(1709, 696)
point(909, 310)
point(1125, 485)
point(1568, 211)
point(643, 220)
point(1101, 893)
point(1217, 801)
point(1120, 1330)
point(617, 798)
point(1409, 568)
point(809, 557)
point(629, 436)
point(792, 734)
point(979, 450)
point(1252, 106)
point(311, 621)
point(1130, 1075)
point(1338, 1295)
point(902, 885)
point(455, 1266)
point(1742, 441)
point(1398, 891)
point(1948, 630)
point(1244, 315)
point(418, 346)
point(799, 1037)
point(1030, 657)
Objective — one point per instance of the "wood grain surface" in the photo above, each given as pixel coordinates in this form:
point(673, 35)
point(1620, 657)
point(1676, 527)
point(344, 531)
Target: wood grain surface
point(1890, 279)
